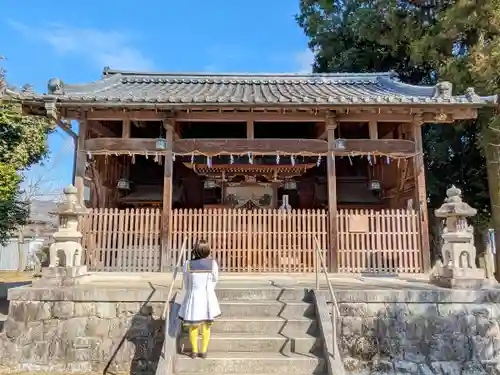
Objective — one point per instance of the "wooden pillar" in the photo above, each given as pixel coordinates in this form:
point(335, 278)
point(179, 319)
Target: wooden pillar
point(250, 129)
point(421, 193)
point(166, 242)
point(373, 129)
point(81, 159)
point(331, 125)
point(126, 128)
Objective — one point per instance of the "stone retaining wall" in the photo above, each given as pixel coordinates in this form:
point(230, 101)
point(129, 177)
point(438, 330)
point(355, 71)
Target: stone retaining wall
point(83, 329)
point(420, 332)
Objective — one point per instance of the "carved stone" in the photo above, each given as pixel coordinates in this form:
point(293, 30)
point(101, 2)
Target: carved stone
point(458, 269)
point(66, 252)
point(55, 86)
point(470, 94)
point(443, 90)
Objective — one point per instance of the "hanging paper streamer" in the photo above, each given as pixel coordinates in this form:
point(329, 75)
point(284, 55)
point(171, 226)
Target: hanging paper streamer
point(173, 157)
point(231, 159)
point(318, 162)
point(250, 158)
point(369, 159)
point(350, 160)
point(157, 159)
point(388, 160)
point(192, 158)
point(292, 159)
point(277, 159)
point(209, 161)
point(89, 155)
point(133, 158)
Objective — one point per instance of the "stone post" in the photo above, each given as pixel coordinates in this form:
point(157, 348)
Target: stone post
point(66, 251)
point(458, 269)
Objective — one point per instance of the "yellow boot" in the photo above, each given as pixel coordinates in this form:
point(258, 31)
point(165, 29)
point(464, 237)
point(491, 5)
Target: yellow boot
point(205, 339)
point(193, 340)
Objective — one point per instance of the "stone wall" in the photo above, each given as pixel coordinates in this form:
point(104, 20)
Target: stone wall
point(427, 332)
point(83, 329)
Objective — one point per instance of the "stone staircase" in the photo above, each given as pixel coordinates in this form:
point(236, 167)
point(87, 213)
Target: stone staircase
point(269, 330)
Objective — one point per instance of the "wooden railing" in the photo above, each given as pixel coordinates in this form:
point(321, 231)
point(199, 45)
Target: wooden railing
point(122, 240)
point(265, 240)
point(379, 241)
point(374, 241)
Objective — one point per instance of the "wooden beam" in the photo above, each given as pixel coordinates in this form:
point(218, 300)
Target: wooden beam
point(121, 145)
point(126, 128)
point(377, 146)
point(143, 115)
point(421, 194)
point(260, 146)
point(248, 116)
point(374, 116)
point(427, 116)
point(373, 125)
point(207, 116)
point(331, 125)
point(81, 159)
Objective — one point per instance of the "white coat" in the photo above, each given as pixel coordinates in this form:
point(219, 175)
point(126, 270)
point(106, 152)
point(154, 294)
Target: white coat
point(200, 304)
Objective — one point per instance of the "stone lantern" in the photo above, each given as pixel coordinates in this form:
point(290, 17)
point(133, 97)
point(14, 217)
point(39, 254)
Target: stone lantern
point(458, 269)
point(66, 251)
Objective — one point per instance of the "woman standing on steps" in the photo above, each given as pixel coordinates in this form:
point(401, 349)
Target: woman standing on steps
point(200, 306)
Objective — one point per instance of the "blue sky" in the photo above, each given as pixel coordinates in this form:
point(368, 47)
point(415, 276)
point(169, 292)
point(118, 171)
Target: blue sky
point(74, 43)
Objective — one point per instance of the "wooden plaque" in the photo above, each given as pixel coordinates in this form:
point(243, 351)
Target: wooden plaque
point(358, 223)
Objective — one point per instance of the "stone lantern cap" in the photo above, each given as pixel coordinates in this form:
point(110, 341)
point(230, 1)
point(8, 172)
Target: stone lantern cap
point(453, 205)
point(70, 206)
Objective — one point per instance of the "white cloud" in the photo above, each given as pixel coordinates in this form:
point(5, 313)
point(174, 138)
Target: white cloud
point(304, 60)
point(103, 48)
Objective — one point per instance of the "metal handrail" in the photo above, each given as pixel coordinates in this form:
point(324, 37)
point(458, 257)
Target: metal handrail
point(166, 309)
point(335, 307)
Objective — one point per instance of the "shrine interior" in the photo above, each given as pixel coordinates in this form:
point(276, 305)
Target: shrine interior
point(229, 181)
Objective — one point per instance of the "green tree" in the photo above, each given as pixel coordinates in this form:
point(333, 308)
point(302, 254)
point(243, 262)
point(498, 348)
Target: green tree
point(409, 38)
point(23, 142)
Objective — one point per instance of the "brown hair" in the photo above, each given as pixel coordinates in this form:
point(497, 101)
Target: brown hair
point(201, 250)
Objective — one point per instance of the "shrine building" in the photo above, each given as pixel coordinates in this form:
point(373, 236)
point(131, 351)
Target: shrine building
point(266, 167)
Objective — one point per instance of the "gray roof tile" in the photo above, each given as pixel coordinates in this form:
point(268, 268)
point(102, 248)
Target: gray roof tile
point(253, 89)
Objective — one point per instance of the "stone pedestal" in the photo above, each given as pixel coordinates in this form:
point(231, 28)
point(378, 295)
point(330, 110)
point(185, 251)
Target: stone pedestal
point(455, 277)
point(61, 276)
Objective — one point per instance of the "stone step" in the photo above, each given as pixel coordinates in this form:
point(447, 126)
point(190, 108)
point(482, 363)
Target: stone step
point(263, 294)
point(242, 363)
point(266, 325)
point(239, 342)
point(256, 309)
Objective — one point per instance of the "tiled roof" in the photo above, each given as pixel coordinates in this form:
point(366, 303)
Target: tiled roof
point(254, 89)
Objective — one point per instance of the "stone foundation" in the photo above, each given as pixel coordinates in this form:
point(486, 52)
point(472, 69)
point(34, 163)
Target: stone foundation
point(83, 329)
point(420, 332)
